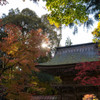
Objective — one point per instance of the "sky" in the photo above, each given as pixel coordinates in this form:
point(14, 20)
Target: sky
point(83, 36)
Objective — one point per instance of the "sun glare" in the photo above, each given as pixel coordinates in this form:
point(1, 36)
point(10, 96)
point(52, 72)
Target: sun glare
point(44, 45)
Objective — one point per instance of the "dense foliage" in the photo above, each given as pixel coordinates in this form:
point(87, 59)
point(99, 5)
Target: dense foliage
point(18, 56)
point(66, 12)
point(27, 20)
point(21, 37)
point(73, 13)
point(88, 73)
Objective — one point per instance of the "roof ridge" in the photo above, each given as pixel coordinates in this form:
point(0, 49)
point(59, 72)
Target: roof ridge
point(75, 45)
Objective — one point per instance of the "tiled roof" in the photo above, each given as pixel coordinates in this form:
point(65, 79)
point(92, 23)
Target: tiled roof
point(74, 54)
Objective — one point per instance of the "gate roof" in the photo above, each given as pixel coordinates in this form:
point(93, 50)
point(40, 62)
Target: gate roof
point(74, 54)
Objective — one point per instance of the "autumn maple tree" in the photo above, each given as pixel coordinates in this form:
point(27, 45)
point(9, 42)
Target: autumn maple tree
point(27, 20)
point(88, 73)
point(18, 55)
point(20, 49)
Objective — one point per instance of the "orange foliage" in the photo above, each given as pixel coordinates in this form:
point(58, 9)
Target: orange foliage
point(24, 48)
point(20, 53)
point(89, 97)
